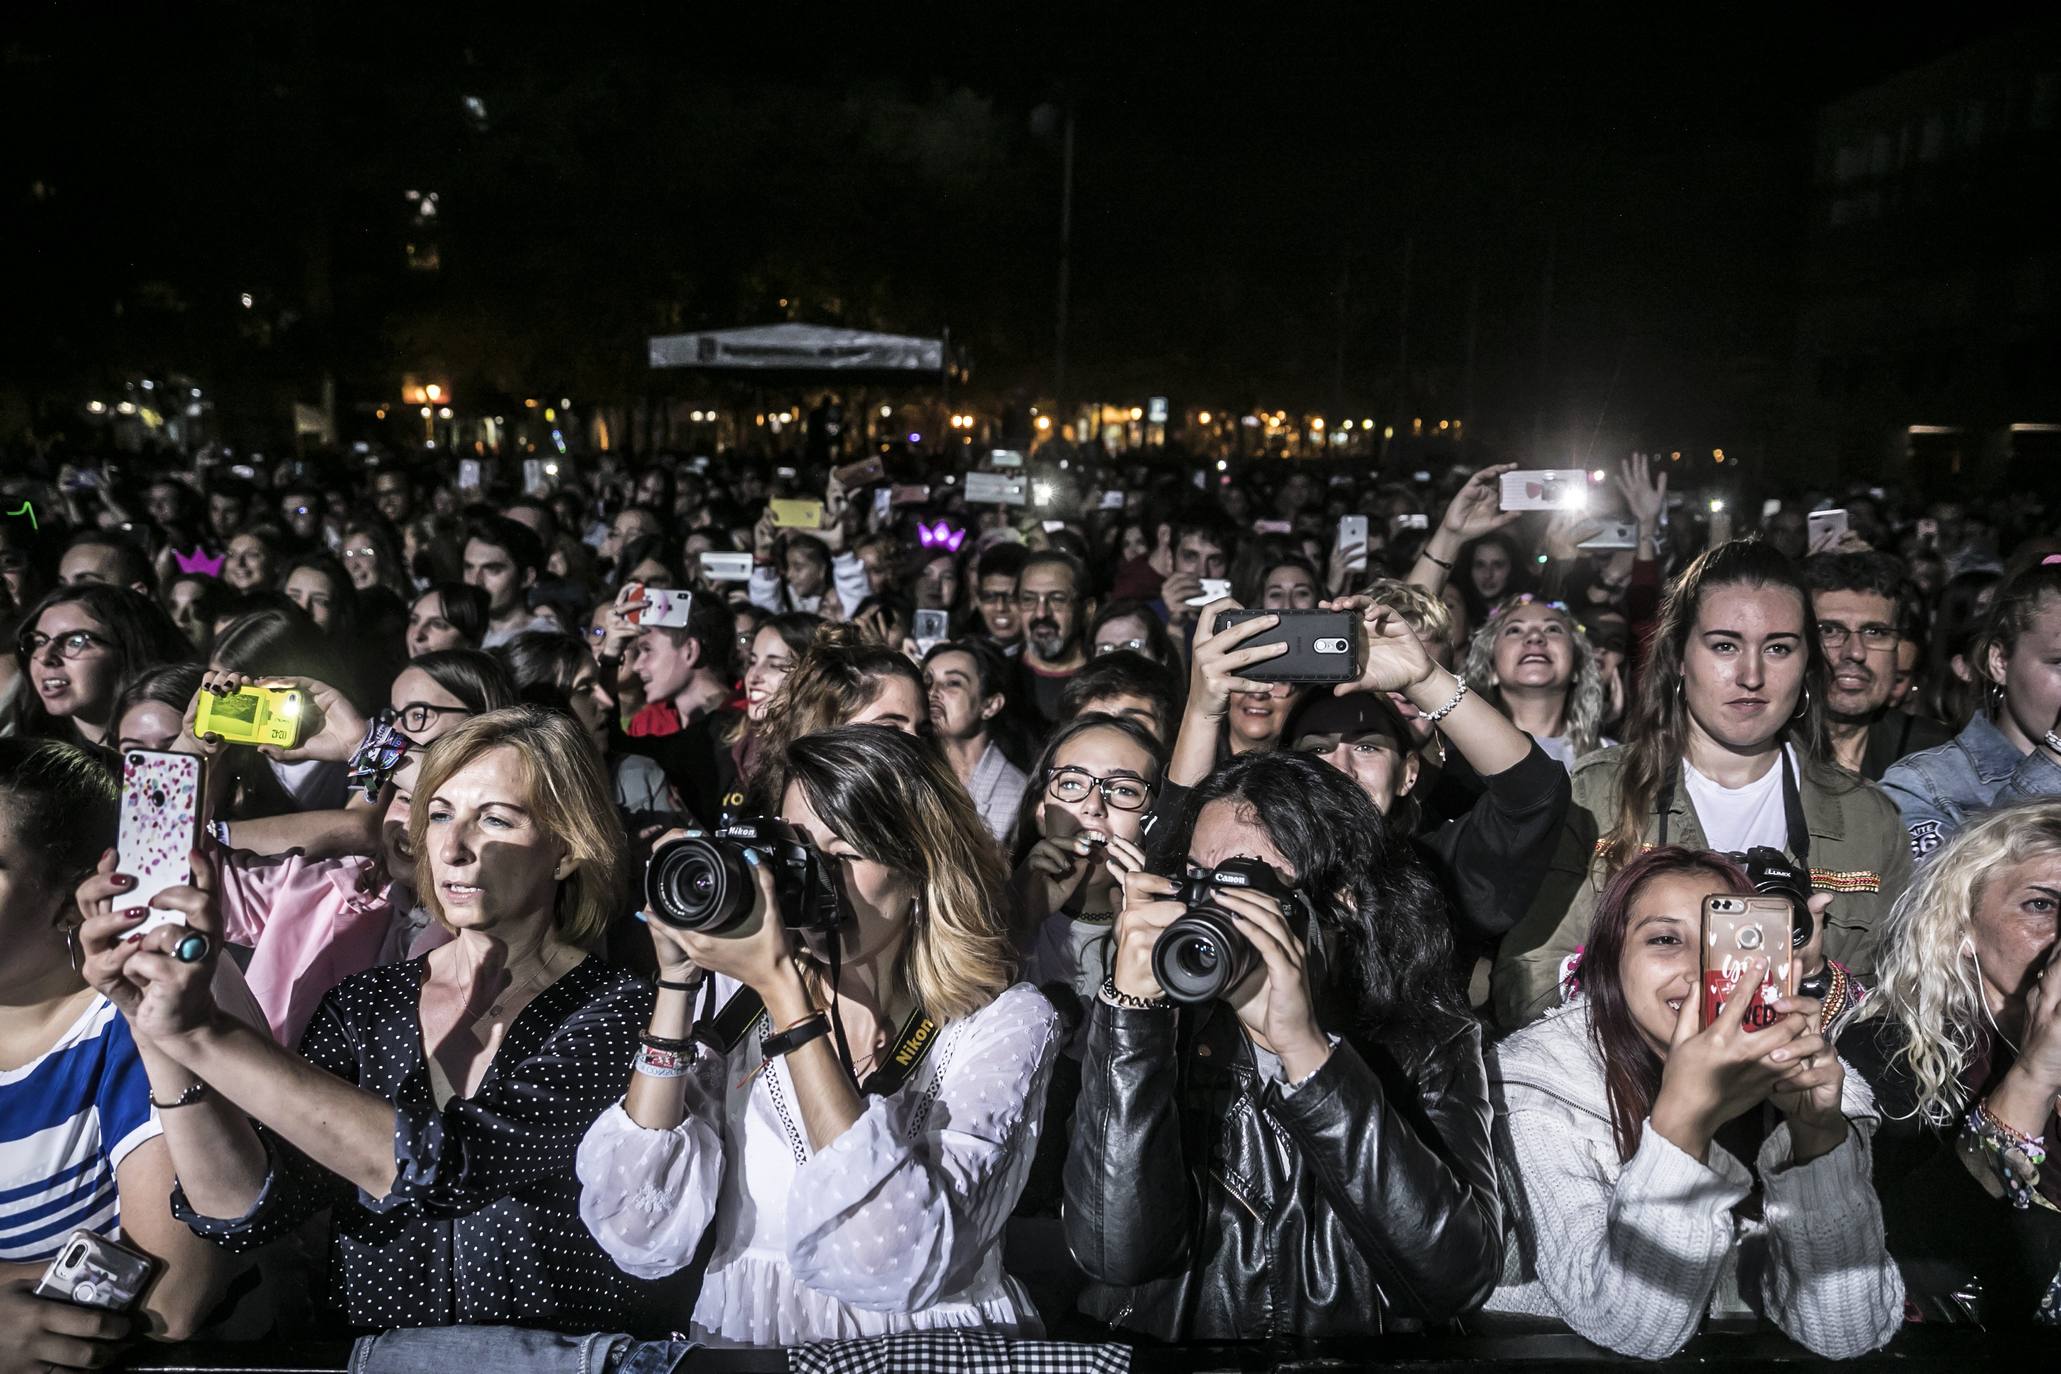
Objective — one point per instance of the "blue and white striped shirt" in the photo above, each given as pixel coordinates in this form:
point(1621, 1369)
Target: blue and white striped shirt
point(67, 1120)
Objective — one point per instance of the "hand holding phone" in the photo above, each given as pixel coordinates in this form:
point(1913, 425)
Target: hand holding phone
point(1322, 646)
point(1213, 589)
point(93, 1271)
point(274, 716)
point(1744, 934)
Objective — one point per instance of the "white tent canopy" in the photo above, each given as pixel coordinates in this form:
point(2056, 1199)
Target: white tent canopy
point(798, 348)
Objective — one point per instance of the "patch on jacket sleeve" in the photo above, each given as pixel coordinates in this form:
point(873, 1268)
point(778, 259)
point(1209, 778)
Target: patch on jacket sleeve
point(1853, 880)
point(1926, 836)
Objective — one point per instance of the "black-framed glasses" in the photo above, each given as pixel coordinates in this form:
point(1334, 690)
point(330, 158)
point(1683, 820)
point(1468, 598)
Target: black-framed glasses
point(1032, 601)
point(998, 598)
point(1834, 635)
point(1122, 791)
point(419, 716)
point(71, 644)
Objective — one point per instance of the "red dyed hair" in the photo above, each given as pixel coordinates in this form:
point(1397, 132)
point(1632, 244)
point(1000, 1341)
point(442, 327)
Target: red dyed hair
point(1631, 1070)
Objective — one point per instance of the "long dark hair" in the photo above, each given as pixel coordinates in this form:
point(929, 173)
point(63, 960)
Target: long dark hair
point(141, 633)
point(64, 802)
point(1657, 725)
point(473, 676)
point(1389, 942)
point(1631, 1070)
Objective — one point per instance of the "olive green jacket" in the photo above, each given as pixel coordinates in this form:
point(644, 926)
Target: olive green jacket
point(1859, 850)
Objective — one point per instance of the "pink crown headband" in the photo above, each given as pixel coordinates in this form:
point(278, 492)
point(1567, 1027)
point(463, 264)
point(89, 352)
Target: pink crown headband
point(940, 535)
point(198, 562)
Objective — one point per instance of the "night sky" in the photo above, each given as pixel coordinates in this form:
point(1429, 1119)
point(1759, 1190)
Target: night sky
point(1253, 204)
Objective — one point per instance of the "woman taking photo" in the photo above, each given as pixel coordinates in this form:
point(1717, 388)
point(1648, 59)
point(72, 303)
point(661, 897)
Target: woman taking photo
point(79, 1146)
point(839, 1210)
point(435, 1105)
point(77, 649)
point(1961, 1041)
point(1320, 1129)
point(1532, 663)
point(1728, 751)
point(2009, 750)
point(1608, 1118)
point(968, 685)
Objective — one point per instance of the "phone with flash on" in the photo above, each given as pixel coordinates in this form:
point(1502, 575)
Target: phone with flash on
point(276, 716)
point(1545, 489)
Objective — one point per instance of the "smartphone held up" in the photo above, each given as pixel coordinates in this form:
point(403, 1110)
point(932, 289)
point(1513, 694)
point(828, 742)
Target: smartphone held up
point(158, 829)
point(1737, 930)
point(1323, 646)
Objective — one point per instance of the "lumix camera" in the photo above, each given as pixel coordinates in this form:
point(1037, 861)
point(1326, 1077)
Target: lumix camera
point(1775, 874)
point(700, 882)
point(1203, 955)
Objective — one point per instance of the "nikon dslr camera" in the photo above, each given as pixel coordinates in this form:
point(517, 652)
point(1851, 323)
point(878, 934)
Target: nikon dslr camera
point(1203, 955)
point(700, 882)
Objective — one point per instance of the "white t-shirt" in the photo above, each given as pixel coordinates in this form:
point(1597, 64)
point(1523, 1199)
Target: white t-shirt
point(1738, 818)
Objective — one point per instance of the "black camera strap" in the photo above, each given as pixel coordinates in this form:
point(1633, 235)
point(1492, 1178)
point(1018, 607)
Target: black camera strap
point(1792, 813)
point(725, 1031)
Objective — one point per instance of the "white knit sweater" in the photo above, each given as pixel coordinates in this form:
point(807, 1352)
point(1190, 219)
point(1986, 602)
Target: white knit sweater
point(1633, 1254)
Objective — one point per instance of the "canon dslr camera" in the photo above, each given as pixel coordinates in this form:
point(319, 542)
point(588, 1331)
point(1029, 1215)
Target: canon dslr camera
point(1203, 955)
point(1775, 874)
point(700, 882)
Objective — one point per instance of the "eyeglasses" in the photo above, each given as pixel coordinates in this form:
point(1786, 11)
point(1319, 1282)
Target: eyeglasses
point(997, 599)
point(1834, 635)
point(1119, 645)
point(74, 644)
point(419, 716)
point(1124, 792)
point(1033, 601)
point(365, 552)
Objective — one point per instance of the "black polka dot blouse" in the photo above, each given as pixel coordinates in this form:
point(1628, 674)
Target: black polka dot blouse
point(483, 1223)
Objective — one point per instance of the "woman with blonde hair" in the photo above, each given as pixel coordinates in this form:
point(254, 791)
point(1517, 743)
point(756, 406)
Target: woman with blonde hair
point(1532, 662)
point(436, 1104)
point(856, 1112)
point(1961, 1042)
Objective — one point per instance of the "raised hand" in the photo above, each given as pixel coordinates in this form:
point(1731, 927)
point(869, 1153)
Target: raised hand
point(1396, 658)
point(1220, 658)
point(1644, 489)
point(1476, 508)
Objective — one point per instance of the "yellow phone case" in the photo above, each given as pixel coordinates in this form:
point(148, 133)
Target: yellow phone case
point(794, 514)
point(255, 715)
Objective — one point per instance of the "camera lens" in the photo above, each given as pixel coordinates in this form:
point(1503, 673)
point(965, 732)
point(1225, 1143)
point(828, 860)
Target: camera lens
point(1200, 957)
point(698, 884)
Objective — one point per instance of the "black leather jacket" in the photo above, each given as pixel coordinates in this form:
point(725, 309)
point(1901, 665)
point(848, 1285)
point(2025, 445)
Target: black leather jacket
point(1204, 1204)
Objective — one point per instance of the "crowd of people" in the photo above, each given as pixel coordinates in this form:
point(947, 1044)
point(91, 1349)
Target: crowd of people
point(795, 966)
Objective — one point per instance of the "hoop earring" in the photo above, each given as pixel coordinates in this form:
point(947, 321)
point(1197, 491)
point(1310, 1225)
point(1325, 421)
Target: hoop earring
point(74, 950)
point(1803, 708)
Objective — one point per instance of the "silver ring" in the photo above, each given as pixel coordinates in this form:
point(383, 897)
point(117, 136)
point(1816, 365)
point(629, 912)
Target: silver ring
point(190, 948)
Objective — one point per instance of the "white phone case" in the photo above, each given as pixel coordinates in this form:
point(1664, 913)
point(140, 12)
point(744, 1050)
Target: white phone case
point(993, 489)
point(723, 566)
point(159, 827)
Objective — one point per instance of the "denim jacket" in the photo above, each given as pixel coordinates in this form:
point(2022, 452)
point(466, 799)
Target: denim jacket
point(1938, 789)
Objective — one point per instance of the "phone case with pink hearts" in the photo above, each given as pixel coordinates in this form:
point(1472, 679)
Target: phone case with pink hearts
point(159, 828)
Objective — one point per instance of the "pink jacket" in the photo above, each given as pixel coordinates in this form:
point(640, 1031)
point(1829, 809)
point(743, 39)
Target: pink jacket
point(310, 924)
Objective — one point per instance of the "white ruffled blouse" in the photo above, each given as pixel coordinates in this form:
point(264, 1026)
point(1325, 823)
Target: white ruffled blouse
point(896, 1225)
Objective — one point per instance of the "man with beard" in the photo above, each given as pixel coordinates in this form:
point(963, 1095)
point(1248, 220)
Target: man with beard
point(1054, 612)
point(1855, 596)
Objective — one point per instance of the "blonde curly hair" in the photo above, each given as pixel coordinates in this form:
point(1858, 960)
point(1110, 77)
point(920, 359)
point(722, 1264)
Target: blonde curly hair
point(1931, 981)
point(1583, 718)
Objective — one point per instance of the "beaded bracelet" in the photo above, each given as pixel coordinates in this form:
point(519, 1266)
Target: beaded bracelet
point(656, 1063)
point(1434, 717)
point(1985, 1132)
point(1115, 998)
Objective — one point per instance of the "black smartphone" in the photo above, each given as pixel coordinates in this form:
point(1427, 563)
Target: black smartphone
point(1323, 646)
